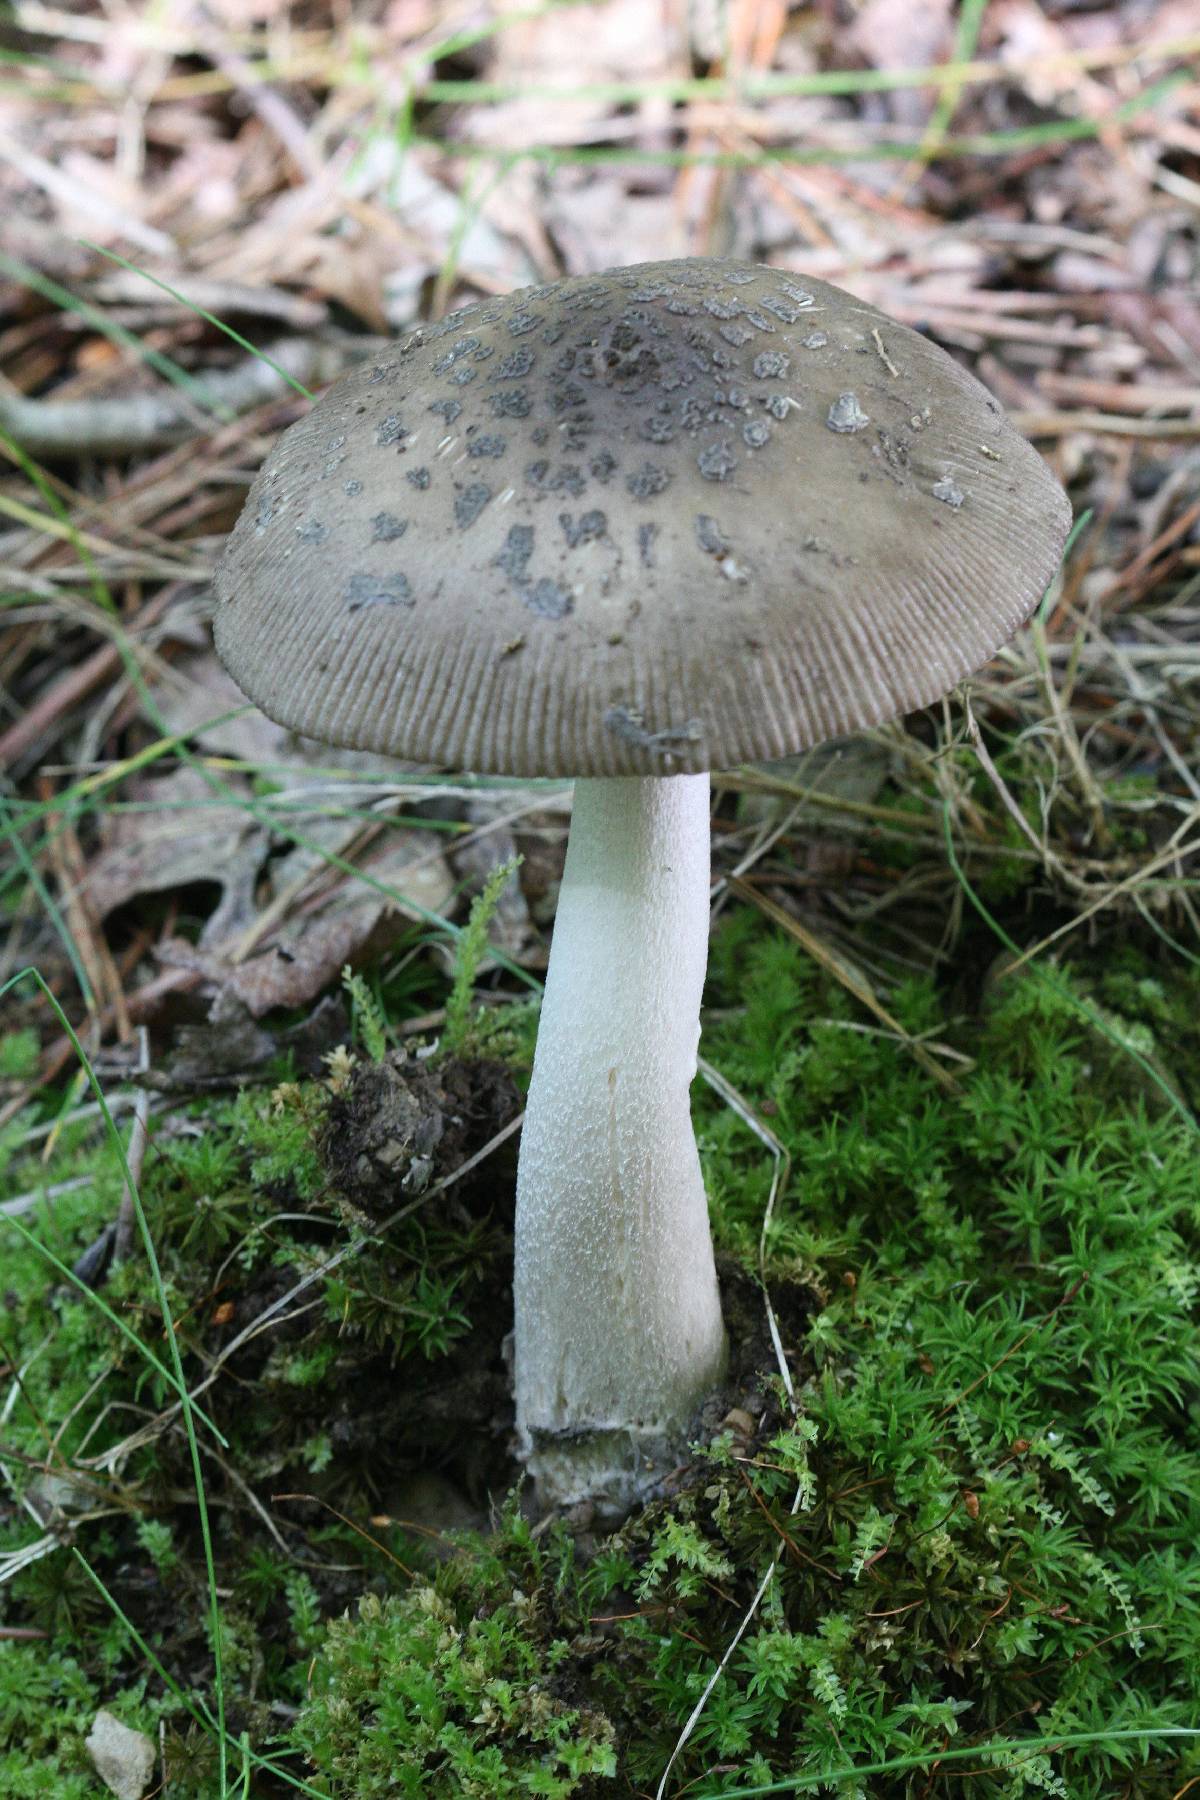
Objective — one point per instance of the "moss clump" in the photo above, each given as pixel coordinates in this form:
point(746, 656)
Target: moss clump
point(456, 1691)
point(47, 1703)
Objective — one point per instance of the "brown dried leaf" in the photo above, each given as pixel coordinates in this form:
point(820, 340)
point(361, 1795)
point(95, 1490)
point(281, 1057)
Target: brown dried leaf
point(219, 1053)
point(186, 837)
point(309, 950)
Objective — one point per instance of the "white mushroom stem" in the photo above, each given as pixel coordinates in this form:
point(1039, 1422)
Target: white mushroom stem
point(618, 1320)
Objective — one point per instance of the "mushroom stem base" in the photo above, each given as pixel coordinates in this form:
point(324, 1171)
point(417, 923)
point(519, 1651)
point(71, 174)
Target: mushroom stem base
point(618, 1335)
point(610, 1472)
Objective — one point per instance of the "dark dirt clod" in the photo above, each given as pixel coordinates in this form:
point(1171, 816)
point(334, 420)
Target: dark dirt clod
point(402, 1124)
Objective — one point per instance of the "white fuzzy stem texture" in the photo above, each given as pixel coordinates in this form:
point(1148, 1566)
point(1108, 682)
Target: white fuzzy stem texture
point(618, 1319)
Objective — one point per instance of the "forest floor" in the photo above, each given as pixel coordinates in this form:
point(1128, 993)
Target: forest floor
point(257, 1491)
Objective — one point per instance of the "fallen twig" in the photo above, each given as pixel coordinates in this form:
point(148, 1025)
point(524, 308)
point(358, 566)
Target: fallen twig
point(118, 424)
point(1064, 424)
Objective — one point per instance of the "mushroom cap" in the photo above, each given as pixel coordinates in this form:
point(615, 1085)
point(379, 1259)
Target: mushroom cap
point(664, 519)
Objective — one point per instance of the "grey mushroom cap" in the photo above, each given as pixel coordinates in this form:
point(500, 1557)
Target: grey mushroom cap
point(669, 518)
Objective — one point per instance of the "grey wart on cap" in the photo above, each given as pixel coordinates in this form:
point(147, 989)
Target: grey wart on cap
point(669, 518)
point(640, 524)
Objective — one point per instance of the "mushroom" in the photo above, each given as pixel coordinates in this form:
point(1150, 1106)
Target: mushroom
point(631, 527)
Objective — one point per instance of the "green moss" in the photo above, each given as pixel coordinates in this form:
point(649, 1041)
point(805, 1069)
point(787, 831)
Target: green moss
point(990, 1496)
point(456, 1689)
point(984, 1507)
point(19, 1055)
point(47, 1704)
